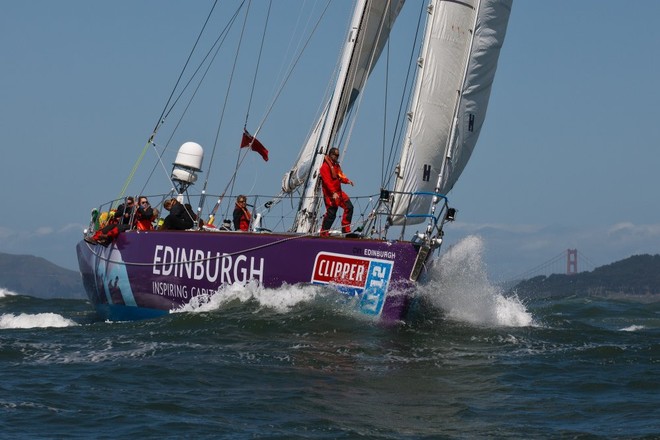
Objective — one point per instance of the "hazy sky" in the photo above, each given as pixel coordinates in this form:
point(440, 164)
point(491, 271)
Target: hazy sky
point(567, 158)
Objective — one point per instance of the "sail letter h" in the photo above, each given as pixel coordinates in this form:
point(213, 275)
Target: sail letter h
point(426, 176)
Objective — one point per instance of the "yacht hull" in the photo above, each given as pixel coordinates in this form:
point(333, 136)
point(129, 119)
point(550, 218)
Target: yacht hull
point(147, 274)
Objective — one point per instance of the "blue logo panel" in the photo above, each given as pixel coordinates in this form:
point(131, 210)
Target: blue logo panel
point(373, 296)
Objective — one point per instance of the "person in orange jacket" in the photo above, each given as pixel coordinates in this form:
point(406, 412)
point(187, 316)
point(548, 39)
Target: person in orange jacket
point(241, 214)
point(331, 179)
point(145, 215)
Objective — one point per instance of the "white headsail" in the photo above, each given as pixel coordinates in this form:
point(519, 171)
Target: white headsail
point(457, 66)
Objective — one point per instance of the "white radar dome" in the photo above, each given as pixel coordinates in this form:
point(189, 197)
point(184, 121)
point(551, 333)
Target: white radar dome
point(190, 156)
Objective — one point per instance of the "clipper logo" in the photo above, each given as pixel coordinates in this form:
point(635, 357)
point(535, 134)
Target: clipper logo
point(366, 277)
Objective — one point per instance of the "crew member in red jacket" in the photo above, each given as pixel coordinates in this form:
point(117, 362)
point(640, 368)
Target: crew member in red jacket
point(145, 215)
point(241, 214)
point(331, 180)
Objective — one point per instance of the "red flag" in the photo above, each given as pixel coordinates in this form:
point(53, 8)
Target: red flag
point(254, 144)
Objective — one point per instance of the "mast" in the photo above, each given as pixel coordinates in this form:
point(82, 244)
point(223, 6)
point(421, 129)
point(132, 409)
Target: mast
point(309, 203)
point(369, 29)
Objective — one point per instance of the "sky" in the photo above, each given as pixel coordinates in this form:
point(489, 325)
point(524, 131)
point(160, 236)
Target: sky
point(567, 157)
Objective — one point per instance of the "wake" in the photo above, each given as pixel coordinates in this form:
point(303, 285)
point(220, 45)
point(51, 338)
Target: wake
point(459, 286)
point(281, 300)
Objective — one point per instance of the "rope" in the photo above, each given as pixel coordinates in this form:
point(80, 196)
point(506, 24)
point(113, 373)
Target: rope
point(161, 119)
point(132, 173)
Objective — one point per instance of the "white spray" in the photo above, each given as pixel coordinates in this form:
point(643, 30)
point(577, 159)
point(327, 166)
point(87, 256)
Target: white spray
point(282, 299)
point(459, 286)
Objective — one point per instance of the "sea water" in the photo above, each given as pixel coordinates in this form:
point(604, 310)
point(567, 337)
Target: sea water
point(470, 362)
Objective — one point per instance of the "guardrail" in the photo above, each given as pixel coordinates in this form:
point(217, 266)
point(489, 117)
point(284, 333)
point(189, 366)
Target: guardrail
point(372, 213)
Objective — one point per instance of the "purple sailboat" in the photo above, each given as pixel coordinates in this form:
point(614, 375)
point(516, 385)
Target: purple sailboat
point(140, 272)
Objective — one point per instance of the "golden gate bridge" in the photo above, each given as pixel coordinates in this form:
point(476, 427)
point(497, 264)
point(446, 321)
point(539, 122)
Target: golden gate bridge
point(569, 262)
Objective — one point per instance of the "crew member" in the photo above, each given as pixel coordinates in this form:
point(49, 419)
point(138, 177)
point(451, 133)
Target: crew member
point(179, 218)
point(331, 180)
point(241, 214)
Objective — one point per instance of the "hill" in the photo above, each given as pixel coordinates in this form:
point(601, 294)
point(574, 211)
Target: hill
point(38, 277)
point(636, 275)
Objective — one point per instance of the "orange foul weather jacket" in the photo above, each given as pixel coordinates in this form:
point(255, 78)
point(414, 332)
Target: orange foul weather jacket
point(331, 179)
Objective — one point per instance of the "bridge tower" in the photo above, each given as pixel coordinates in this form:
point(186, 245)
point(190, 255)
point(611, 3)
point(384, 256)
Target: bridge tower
point(571, 262)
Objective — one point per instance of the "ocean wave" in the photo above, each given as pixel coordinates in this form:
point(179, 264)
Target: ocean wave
point(6, 292)
point(633, 328)
point(38, 320)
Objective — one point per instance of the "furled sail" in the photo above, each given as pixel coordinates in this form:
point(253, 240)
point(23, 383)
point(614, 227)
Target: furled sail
point(457, 66)
point(369, 31)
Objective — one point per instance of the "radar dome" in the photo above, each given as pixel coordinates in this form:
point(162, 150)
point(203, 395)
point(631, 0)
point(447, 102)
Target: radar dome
point(190, 156)
point(184, 176)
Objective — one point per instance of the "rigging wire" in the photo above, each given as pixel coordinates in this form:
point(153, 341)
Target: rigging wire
point(172, 102)
point(224, 105)
point(386, 83)
point(214, 50)
point(256, 70)
point(397, 138)
point(345, 138)
point(241, 154)
point(161, 118)
point(185, 66)
point(326, 94)
point(254, 78)
point(322, 107)
point(288, 75)
point(278, 92)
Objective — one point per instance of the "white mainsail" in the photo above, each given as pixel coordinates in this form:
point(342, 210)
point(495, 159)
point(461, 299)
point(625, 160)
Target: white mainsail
point(456, 69)
point(370, 27)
